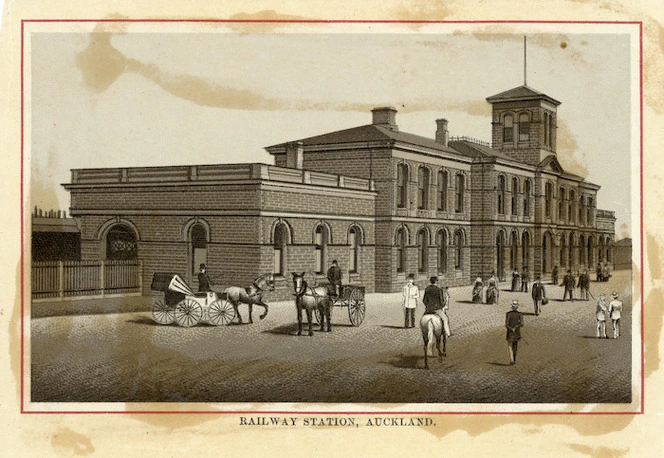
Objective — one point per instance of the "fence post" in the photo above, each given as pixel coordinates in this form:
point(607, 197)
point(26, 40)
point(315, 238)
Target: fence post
point(102, 286)
point(61, 279)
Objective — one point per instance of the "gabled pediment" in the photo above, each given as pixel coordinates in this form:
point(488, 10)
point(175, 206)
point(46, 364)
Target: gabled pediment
point(551, 164)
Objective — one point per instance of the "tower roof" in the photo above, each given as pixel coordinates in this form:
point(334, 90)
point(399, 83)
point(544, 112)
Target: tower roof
point(521, 93)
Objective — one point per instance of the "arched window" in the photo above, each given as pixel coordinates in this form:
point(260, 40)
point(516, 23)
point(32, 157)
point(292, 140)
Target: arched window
point(508, 129)
point(563, 251)
point(199, 238)
point(561, 204)
point(401, 249)
point(515, 195)
point(441, 241)
point(524, 127)
point(422, 250)
point(552, 131)
point(500, 254)
point(570, 210)
point(322, 238)
point(402, 185)
point(547, 130)
point(458, 249)
point(582, 250)
point(353, 249)
point(121, 243)
point(442, 190)
point(423, 188)
point(526, 198)
point(581, 212)
point(460, 192)
point(548, 196)
point(589, 213)
point(280, 248)
point(501, 195)
point(590, 252)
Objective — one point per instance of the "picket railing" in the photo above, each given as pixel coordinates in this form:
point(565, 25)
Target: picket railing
point(67, 279)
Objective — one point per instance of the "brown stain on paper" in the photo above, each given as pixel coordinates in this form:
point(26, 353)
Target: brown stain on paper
point(653, 308)
point(604, 452)
point(68, 441)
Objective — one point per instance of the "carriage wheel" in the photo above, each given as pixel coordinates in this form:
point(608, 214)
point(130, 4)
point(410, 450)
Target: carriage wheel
point(221, 312)
point(356, 308)
point(162, 313)
point(188, 313)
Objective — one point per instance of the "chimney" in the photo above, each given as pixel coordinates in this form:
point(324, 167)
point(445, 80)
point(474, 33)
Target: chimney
point(295, 155)
point(442, 135)
point(385, 117)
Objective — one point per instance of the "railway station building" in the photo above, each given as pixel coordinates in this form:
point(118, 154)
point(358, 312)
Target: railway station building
point(383, 202)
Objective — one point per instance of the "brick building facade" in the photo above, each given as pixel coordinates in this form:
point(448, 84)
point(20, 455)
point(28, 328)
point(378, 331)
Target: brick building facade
point(384, 203)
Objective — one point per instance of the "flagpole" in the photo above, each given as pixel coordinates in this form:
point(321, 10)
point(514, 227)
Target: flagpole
point(525, 83)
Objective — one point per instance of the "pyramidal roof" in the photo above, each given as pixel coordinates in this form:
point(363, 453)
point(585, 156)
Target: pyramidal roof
point(521, 93)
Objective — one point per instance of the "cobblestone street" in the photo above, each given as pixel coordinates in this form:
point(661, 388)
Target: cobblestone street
point(126, 357)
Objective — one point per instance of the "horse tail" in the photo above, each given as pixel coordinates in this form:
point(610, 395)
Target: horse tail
point(431, 336)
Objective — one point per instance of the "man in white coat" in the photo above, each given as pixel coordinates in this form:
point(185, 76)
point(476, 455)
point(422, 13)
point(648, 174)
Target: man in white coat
point(410, 295)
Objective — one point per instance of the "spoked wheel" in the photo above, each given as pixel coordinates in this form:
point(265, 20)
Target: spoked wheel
point(356, 308)
point(162, 313)
point(188, 313)
point(221, 312)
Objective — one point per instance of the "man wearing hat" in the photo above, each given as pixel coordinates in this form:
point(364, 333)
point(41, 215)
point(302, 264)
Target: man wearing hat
point(615, 311)
point(584, 285)
point(436, 303)
point(513, 323)
point(538, 294)
point(410, 295)
point(568, 283)
point(203, 280)
point(334, 277)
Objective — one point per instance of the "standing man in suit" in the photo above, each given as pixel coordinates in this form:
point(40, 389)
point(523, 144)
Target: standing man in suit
point(410, 295)
point(554, 275)
point(436, 303)
point(513, 323)
point(334, 277)
point(538, 294)
point(568, 283)
point(525, 278)
point(584, 285)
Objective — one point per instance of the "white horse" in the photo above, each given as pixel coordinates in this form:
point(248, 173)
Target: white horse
point(432, 327)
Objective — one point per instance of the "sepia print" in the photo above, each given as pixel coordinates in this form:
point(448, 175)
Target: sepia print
point(332, 213)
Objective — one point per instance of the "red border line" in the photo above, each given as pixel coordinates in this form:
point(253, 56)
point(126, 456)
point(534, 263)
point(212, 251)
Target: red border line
point(316, 21)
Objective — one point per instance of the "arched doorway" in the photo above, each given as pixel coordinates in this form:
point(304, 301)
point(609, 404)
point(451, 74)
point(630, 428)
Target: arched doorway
point(514, 251)
point(525, 249)
point(121, 243)
point(582, 251)
point(500, 255)
point(563, 251)
point(547, 253)
point(591, 260)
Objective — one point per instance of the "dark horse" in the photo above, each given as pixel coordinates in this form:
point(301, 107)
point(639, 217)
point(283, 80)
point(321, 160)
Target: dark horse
point(252, 294)
point(307, 298)
point(432, 328)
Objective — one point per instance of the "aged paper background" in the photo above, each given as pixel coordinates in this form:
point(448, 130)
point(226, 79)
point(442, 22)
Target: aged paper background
point(212, 435)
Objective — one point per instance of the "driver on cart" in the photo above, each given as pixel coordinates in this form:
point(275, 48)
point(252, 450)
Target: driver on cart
point(334, 277)
point(203, 280)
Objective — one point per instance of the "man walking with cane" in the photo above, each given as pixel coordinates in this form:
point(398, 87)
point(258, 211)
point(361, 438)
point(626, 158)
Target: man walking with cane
point(539, 294)
point(584, 285)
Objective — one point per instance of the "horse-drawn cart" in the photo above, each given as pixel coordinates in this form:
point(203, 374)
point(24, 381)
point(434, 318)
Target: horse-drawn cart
point(185, 307)
point(351, 297)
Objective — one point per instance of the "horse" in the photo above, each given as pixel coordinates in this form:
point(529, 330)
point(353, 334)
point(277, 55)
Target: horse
point(432, 326)
point(307, 298)
point(251, 295)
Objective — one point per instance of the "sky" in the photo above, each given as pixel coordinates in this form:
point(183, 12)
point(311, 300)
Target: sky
point(123, 99)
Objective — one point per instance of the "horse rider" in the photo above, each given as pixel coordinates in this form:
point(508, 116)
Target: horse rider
point(513, 323)
point(437, 303)
point(203, 280)
point(334, 277)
